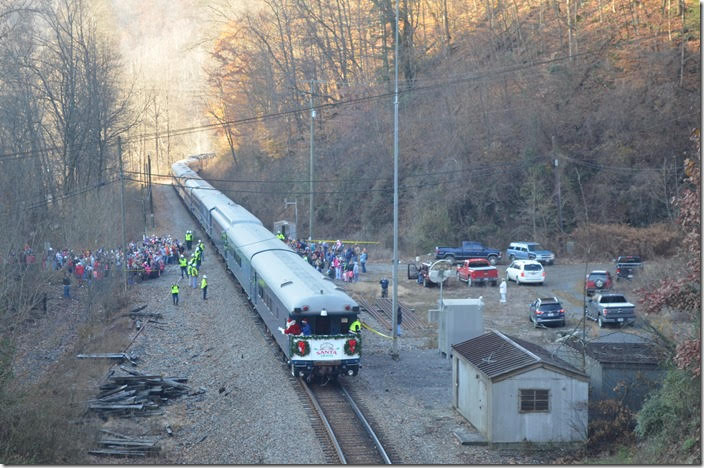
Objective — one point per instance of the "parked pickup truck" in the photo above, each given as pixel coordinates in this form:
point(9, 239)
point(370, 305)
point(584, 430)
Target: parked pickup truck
point(478, 271)
point(610, 308)
point(627, 265)
point(466, 251)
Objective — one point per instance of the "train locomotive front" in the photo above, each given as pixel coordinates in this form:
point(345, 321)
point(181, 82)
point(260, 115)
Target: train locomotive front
point(280, 285)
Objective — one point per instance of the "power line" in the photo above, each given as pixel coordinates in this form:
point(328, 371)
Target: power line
point(494, 171)
point(338, 180)
point(275, 115)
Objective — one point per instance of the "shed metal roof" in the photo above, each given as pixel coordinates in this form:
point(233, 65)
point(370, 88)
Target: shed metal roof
point(496, 354)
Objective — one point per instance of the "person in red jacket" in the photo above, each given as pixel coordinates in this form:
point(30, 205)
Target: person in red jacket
point(292, 328)
point(79, 272)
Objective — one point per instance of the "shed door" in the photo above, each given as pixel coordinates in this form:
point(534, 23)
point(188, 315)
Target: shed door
point(464, 394)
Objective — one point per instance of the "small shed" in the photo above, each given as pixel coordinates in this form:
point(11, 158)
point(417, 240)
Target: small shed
point(623, 371)
point(514, 391)
point(286, 228)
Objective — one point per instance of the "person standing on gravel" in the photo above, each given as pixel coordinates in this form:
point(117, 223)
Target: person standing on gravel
point(67, 286)
point(189, 239)
point(398, 321)
point(174, 293)
point(183, 264)
point(384, 287)
point(502, 291)
point(204, 287)
point(194, 277)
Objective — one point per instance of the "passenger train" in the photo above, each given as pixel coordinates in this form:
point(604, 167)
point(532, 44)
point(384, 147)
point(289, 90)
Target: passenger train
point(279, 284)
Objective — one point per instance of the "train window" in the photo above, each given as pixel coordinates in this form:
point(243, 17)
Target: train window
point(268, 301)
point(322, 326)
point(238, 259)
point(345, 324)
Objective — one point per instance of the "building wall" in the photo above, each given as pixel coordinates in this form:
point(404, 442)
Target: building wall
point(629, 383)
point(470, 393)
point(565, 421)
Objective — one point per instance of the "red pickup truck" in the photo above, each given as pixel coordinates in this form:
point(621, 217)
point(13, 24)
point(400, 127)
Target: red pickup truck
point(478, 271)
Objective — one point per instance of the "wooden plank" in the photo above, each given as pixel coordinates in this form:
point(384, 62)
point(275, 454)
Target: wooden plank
point(114, 434)
point(128, 442)
point(118, 396)
point(103, 356)
point(110, 392)
point(131, 371)
point(127, 453)
point(100, 406)
point(119, 379)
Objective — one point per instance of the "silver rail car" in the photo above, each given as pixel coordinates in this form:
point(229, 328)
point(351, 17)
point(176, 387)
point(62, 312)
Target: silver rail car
point(279, 284)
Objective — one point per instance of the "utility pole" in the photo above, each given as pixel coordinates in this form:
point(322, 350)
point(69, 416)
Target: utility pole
point(312, 139)
point(122, 205)
point(149, 176)
point(394, 269)
point(556, 163)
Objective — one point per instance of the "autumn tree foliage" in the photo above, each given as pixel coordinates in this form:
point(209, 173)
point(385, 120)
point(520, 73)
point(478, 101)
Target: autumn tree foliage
point(492, 93)
point(682, 291)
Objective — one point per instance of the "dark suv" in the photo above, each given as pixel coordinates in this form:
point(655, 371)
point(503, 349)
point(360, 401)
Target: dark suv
point(598, 280)
point(546, 310)
point(627, 265)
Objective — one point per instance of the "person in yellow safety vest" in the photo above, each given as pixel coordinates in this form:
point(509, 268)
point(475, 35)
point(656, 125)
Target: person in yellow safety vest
point(189, 239)
point(174, 293)
point(204, 287)
point(280, 236)
point(194, 277)
point(356, 326)
point(197, 257)
point(183, 263)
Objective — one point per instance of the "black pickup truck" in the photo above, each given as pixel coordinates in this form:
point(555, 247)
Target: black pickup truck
point(466, 251)
point(610, 308)
point(627, 265)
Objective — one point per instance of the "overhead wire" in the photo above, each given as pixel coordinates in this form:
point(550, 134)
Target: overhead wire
point(270, 116)
point(347, 190)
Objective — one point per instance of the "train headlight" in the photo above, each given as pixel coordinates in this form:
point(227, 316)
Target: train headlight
point(323, 313)
point(350, 372)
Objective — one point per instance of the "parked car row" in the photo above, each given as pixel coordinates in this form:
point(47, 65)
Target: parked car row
point(515, 251)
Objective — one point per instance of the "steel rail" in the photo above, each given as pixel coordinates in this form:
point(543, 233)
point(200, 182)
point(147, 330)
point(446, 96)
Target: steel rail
point(366, 425)
point(326, 423)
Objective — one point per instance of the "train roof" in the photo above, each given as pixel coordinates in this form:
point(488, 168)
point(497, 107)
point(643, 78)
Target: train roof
point(293, 279)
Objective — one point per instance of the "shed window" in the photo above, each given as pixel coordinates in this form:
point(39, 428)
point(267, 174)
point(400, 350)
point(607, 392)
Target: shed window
point(534, 400)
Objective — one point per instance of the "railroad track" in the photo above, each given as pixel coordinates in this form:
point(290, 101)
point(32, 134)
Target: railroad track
point(345, 434)
point(351, 439)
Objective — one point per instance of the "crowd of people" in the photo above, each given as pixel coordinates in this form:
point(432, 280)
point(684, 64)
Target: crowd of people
point(145, 259)
point(335, 260)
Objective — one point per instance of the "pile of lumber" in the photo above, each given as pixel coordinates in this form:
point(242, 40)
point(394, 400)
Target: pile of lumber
point(136, 394)
point(112, 444)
